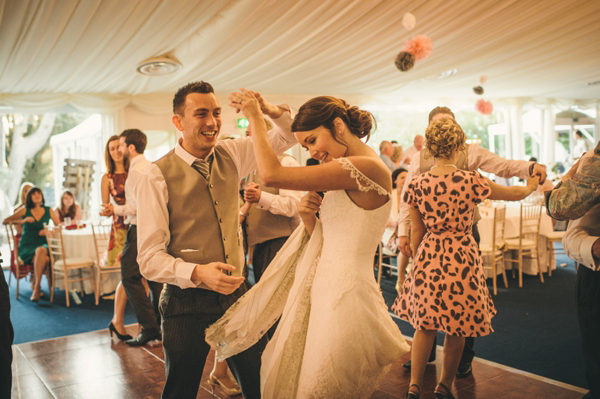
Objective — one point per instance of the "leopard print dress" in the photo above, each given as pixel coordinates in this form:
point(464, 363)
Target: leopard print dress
point(446, 288)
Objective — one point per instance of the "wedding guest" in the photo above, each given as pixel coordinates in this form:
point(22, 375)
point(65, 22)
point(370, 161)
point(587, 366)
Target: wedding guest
point(190, 237)
point(113, 187)
point(582, 244)
point(446, 288)
point(398, 180)
point(7, 335)
point(132, 143)
point(472, 159)
point(33, 248)
point(23, 190)
point(271, 219)
point(411, 151)
point(398, 156)
point(581, 145)
point(386, 150)
point(69, 210)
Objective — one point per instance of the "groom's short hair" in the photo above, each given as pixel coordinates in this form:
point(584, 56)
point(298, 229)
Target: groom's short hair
point(194, 87)
point(441, 110)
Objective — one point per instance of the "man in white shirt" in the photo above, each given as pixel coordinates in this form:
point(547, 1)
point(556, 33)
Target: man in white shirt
point(132, 144)
point(386, 150)
point(190, 236)
point(581, 145)
point(417, 146)
point(477, 158)
point(582, 244)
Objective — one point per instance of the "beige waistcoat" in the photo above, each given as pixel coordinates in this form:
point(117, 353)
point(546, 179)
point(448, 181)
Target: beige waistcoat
point(203, 215)
point(262, 225)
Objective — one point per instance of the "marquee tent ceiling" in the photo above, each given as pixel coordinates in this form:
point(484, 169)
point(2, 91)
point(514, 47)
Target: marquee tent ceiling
point(534, 49)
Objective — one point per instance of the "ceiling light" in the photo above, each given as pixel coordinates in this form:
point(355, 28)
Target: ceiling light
point(158, 66)
point(442, 75)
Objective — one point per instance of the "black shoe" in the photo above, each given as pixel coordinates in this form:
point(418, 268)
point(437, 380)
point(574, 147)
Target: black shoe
point(122, 337)
point(413, 395)
point(430, 360)
point(144, 338)
point(464, 370)
point(446, 394)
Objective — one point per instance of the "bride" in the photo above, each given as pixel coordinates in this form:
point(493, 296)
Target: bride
point(335, 338)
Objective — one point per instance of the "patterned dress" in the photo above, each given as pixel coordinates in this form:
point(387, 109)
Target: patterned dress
point(446, 289)
point(116, 185)
point(31, 238)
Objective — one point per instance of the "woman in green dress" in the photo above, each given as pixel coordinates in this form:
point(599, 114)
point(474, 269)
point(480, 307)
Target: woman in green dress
point(32, 246)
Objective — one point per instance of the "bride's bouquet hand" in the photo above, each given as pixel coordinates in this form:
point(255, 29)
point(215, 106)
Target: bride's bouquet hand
point(307, 209)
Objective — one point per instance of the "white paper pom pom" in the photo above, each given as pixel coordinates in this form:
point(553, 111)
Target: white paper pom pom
point(409, 21)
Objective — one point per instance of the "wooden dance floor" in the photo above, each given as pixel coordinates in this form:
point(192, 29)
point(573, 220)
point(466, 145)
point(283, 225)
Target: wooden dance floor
point(91, 365)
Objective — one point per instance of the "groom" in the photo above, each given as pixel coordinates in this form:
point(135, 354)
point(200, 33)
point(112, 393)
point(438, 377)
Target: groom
point(190, 237)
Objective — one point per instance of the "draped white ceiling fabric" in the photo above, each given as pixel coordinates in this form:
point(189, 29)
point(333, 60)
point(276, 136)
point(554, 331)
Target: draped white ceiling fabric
point(85, 53)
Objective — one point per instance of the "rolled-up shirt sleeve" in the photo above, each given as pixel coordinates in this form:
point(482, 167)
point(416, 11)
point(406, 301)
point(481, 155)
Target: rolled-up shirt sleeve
point(153, 235)
point(581, 236)
point(480, 158)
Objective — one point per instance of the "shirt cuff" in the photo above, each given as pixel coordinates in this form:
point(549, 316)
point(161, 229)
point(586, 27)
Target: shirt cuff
point(265, 200)
point(119, 210)
point(183, 274)
point(586, 249)
point(402, 230)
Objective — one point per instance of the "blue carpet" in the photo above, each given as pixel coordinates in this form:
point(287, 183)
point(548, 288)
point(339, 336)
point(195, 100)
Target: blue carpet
point(43, 320)
point(536, 328)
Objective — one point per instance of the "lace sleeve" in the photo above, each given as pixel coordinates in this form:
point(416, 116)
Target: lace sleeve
point(363, 182)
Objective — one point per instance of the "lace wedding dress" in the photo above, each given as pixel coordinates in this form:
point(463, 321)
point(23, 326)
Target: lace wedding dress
point(335, 338)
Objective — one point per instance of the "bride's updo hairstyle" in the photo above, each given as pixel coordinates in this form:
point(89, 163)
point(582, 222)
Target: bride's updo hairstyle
point(443, 137)
point(322, 111)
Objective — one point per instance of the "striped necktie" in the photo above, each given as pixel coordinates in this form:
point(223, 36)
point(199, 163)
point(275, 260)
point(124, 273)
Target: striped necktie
point(202, 166)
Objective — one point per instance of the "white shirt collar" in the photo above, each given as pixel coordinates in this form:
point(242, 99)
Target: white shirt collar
point(135, 159)
point(186, 156)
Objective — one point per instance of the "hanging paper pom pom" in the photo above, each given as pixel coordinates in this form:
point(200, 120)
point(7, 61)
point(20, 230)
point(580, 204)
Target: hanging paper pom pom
point(483, 79)
point(420, 46)
point(478, 90)
point(409, 21)
point(405, 61)
point(484, 107)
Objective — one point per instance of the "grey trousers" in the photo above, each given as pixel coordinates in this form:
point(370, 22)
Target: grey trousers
point(185, 316)
point(146, 309)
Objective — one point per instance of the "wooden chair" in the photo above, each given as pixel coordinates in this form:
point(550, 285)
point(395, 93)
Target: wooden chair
point(61, 265)
point(384, 259)
point(101, 234)
point(17, 268)
point(526, 244)
point(551, 238)
point(495, 252)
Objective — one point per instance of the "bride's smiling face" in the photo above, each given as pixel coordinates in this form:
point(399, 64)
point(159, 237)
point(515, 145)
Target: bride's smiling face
point(320, 144)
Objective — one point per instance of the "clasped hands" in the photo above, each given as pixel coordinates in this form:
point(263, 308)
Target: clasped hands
point(107, 210)
point(252, 104)
point(252, 193)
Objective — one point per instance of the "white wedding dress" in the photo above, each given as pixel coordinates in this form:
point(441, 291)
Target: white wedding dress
point(335, 338)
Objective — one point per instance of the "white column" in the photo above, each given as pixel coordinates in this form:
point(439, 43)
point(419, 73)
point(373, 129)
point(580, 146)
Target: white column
point(507, 135)
point(548, 135)
point(516, 131)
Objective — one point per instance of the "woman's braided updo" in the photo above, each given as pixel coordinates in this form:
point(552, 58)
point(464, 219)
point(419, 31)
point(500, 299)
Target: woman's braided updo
point(443, 137)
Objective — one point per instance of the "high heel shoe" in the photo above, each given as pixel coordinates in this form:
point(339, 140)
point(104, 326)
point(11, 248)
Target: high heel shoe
point(233, 391)
point(413, 395)
point(443, 395)
point(113, 329)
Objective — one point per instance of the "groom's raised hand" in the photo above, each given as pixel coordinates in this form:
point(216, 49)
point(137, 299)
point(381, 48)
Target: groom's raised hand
point(212, 275)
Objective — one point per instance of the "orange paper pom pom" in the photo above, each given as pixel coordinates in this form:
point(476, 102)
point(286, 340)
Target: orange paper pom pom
point(484, 107)
point(420, 46)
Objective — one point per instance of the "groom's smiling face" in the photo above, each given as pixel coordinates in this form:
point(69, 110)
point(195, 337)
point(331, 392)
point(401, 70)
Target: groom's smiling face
point(200, 123)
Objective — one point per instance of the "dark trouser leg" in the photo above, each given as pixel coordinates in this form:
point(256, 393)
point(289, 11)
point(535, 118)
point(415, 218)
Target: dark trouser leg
point(132, 282)
point(264, 254)
point(588, 314)
point(6, 339)
point(186, 314)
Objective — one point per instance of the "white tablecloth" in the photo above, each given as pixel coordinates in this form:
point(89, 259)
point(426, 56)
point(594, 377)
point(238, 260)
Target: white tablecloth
point(80, 244)
point(511, 230)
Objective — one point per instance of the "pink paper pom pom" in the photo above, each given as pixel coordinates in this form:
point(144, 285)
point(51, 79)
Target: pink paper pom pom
point(409, 21)
point(483, 79)
point(420, 46)
point(484, 107)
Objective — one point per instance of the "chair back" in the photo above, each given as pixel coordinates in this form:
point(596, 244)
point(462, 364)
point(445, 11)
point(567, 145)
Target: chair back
point(499, 222)
point(101, 233)
point(530, 221)
point(56, 246)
